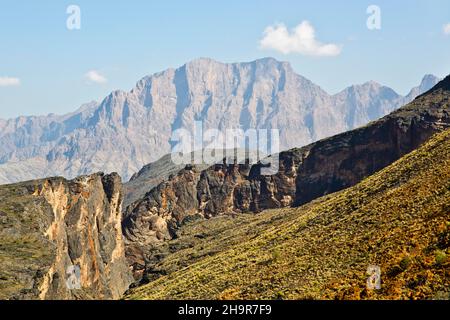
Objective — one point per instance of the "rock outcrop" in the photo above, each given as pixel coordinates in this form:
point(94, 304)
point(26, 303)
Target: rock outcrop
point(392, 225)
point(305, 174)
point(63, 239)
point(128, 130)
point(156, 172)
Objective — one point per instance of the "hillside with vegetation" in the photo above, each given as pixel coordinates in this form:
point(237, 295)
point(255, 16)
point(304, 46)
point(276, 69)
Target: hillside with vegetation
point(397, 219)
point(305, 174)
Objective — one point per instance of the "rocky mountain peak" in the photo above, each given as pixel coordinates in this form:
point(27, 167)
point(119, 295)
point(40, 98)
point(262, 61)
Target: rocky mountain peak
point(305, 174)
point(429, 81)
point(443, 85)
point(128, 130)
point(371, 87)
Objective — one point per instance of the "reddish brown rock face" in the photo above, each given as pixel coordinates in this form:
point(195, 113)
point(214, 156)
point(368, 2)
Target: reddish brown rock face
point(342, 161)
point(76, 226)
point(305, 174)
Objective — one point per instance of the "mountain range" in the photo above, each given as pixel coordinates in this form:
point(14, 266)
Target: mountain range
point(373, 196)
point(128, 130)
point(395, 221)
point(305, 174)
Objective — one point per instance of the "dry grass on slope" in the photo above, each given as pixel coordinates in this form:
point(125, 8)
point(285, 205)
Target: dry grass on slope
point(397, 219)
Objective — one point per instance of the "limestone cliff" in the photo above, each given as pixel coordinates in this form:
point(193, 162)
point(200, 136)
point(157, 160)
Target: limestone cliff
point(127, 130)
point(63, 239)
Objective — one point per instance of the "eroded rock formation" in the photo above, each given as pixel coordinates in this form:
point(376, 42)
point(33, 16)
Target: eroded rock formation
point(127, 130)
point(74, 227)
point(305, 174)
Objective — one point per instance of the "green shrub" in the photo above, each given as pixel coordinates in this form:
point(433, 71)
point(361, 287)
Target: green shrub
point(276, 255)
point(405, 263)
point(440, 257)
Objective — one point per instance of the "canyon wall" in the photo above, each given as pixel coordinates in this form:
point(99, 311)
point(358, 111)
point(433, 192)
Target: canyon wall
point(69, 238)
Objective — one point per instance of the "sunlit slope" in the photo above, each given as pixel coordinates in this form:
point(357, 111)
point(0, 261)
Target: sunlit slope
point(397, 219)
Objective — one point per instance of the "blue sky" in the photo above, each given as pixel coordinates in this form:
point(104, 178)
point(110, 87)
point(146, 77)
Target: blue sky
point(43, 65)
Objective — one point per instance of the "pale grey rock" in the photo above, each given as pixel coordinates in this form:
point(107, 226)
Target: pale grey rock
point(128, 130)
point(428, 82)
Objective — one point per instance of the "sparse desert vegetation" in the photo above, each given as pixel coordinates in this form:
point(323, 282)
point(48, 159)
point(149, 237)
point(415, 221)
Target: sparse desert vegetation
point(397, 219)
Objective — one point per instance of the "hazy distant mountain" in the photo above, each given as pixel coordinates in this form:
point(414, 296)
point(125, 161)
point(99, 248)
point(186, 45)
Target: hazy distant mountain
point(308, 173)
point(320, 250)
point(127, 130)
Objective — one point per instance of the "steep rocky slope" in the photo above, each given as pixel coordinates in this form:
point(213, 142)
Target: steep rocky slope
point(127, 130)
point(396, 220)
point(51, 227)
point(305, 174)
point(149, 177)
point(161, 170)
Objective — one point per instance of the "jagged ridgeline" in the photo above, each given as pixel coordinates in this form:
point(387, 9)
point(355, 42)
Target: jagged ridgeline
point(397, 220)
point(374, 196)
point(53, 227)
point(127, 130)
point(305, 174)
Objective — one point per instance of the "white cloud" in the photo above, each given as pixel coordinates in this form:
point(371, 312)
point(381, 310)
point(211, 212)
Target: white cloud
point(93, 76)
point(301, 39)
point(8, 81)
point(446, 29)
